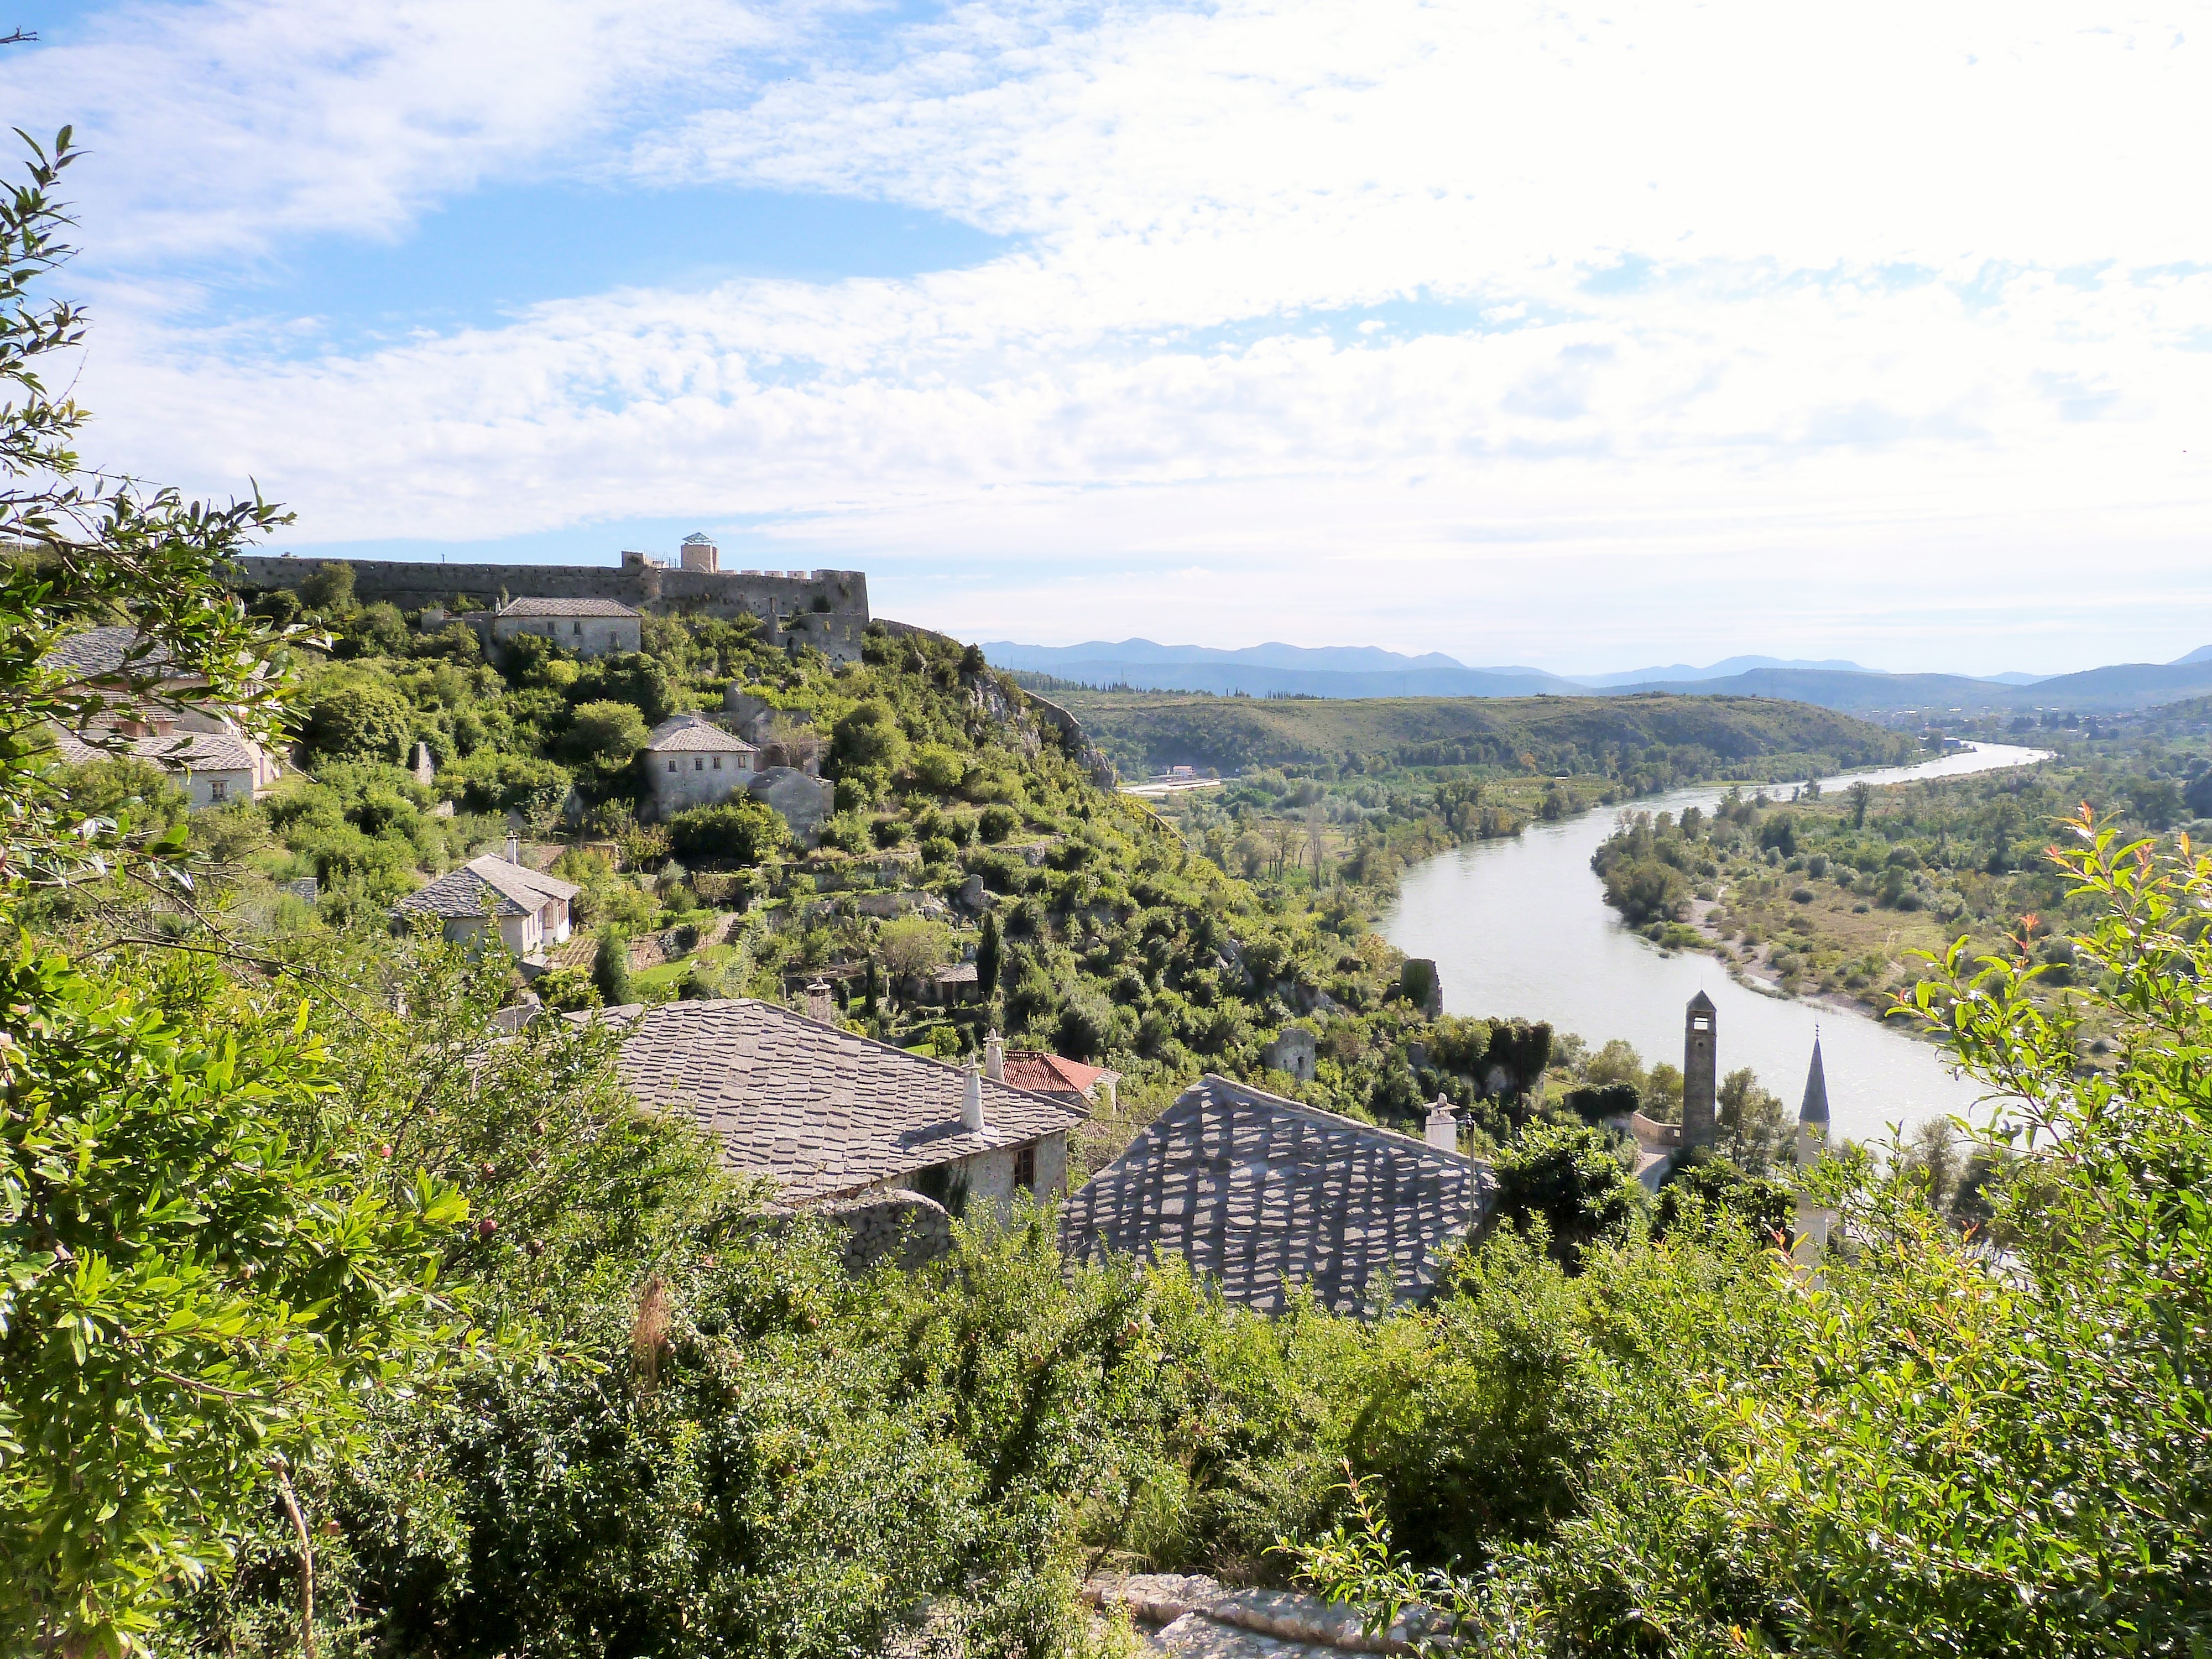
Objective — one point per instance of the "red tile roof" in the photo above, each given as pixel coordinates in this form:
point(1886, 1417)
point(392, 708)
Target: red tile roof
point(1049, 1074)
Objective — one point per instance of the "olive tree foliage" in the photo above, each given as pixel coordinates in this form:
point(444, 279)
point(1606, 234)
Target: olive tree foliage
point(1944, 1451)
point(92, 546)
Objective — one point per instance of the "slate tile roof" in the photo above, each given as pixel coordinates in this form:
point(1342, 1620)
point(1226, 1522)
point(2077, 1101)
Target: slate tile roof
point(818, 1110)
point(514, 890)
point(692, 733)
point(526, 609)
point(177, 752)
point(1260, 1194)
point(99, 651)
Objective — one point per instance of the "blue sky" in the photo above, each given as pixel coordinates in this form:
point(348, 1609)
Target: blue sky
point(1579, 336)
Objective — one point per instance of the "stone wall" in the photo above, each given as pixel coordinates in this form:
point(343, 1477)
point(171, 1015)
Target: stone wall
point(891, 1226)
point(587, 636)
point(826, 609)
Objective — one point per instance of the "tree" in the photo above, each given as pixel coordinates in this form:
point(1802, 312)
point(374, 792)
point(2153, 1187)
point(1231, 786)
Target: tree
point(1861, 796)
point(606, 736)
point(360, 719)
point(745, 828)
point(986, 957)
point(329, 587)
point(868, 739)
point(1751, 1127)
point(611, 969)
point(1704, 1189)
point(910, 946)
point(87, 548)
point(1567, 1176)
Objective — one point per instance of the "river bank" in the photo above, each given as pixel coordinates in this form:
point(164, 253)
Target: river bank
point(1521, 926)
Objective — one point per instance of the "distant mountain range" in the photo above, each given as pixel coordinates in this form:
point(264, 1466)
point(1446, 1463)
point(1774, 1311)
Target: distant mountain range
point(1278, 669)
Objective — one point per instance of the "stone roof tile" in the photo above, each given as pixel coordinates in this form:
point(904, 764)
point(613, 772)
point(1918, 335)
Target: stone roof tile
point(1260, 1194)
point(819, 1110)
point(526, 609)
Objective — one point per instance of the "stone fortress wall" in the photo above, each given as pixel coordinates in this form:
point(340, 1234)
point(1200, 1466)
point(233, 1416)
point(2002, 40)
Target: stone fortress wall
point(825, 609)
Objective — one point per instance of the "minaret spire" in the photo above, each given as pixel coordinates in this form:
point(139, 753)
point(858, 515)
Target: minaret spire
point(1813, 1115)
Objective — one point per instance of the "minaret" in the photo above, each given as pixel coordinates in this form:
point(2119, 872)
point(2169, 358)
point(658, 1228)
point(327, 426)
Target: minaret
point(1700, 1035)
point(1812, 1115)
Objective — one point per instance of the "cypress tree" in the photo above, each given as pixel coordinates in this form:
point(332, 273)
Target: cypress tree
point(611, 969)
point(987, 958)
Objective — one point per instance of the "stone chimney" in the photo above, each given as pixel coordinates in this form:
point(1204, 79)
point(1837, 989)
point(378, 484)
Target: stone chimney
point(994, 1058)
point(514, 849)
point(972, 1103)
point(1443, 1126)
point(818, 1004)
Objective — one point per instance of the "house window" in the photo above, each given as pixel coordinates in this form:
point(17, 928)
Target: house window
point(217, 789)
point(576, 628)
point(698, 765)
point(718, 763)
point(671, 766)
point(1025, 1167)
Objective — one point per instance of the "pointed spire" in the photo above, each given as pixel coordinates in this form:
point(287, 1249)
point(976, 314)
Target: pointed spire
point(1815, 1108)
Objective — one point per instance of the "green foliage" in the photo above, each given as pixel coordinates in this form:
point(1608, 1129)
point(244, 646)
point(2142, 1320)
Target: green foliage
point(605, 737)
point(329, 586)
point(1698, 1193)
point(487, 782)
point(360, 721)
point(611, 969)
point(744, 828)
point(202, 1278)
point(1565, 1177)
point(868, 740)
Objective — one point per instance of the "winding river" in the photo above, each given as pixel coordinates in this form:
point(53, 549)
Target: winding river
point(1521, 926)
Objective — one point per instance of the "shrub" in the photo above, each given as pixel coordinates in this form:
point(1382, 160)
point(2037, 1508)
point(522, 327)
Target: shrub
point(611, 969)
point(1567, 1176)
point(606, 736)
point(330, 588)
point(745, 829)
point(996, 822)
point(869, 738)
point(364, 720)
point(939, 769)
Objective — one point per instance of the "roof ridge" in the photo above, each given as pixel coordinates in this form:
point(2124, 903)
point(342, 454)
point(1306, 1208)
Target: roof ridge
point(1323, 1113)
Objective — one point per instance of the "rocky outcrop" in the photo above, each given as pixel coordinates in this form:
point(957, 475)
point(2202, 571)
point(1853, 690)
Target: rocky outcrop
point(1194, 1617)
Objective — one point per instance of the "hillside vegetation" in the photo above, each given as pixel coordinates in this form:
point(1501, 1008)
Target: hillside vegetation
point(1593, 736)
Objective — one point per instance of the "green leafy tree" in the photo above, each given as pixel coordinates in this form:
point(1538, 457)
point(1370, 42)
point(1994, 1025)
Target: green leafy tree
point(199, 1287)
point(360, 721)
point(611, 969)
point(745, 829)
point(606, 737)
point(1752, 1127)
point(868, 740)
point(329, 587)
point(1566, 1176)
point(87, 549)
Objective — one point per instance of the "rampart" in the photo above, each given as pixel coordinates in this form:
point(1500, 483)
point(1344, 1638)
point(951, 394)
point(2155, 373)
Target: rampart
point(827, 608)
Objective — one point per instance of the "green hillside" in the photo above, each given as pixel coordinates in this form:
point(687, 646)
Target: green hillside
point(1748, 736)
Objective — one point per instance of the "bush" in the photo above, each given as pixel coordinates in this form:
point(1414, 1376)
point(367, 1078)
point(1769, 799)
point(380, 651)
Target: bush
point(995, 822)
point(489, 781)
point(611, 969)
point(364, 720)
point(745, 830)
point(869, 738)
point(939, 769)
point(606, 736)
point(1567, 1176)
point(330, 588)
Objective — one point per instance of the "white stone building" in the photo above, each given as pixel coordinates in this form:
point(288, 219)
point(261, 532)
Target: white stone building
point(691, 762)
point(589, 627)
point(526, 908)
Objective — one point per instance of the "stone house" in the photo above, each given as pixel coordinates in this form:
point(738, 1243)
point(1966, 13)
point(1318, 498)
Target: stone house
point(527, 909)
point(589, 627)
point(213, 761)
point(689, 761)
point(830, 1117)
point(1262, 1194)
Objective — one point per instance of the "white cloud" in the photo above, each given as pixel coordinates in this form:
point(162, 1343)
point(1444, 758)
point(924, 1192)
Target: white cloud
point(1905, 309)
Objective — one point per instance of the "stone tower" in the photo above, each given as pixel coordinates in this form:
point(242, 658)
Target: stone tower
point(1812, 1115)
point(1700, 1032)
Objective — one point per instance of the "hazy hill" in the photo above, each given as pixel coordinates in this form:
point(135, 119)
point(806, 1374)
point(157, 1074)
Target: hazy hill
point(2095, 691)
point(1719, 671)
point(1147, 732)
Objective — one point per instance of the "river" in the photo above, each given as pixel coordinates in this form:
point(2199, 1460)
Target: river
point(1520, 927)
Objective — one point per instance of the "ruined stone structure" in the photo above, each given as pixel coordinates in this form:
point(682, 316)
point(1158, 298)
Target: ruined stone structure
point(1700, 1059)
point(825, 609)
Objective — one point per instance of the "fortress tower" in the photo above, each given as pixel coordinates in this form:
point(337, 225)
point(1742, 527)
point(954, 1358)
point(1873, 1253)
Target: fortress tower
point(1701, 1035)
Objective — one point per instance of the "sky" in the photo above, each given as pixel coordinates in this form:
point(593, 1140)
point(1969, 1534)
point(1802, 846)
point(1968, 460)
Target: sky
point(1575, 336)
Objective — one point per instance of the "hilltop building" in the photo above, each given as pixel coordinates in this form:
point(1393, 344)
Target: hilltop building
point(689, 761)
point(589, 627)
point(825, 609)
point(1263, 1194)
point(1052, 1076)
